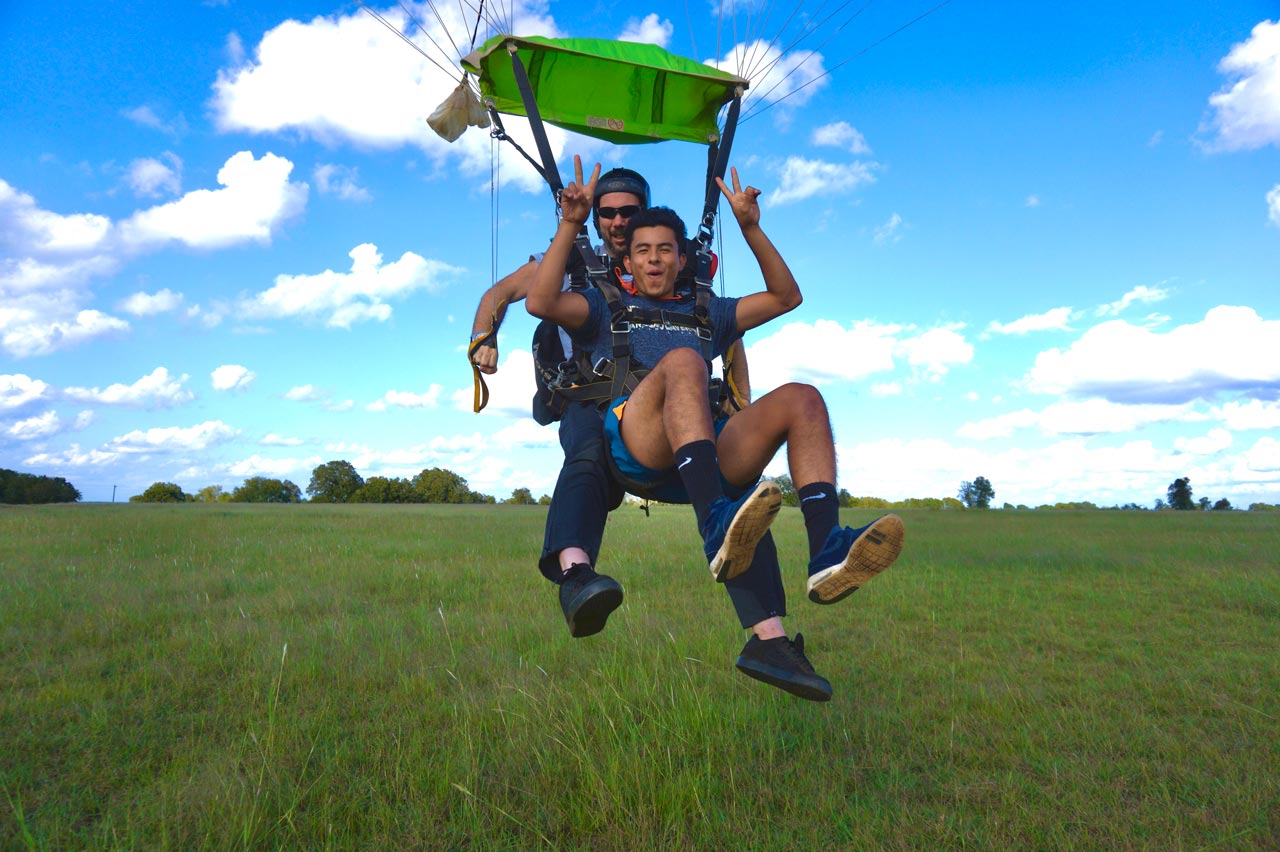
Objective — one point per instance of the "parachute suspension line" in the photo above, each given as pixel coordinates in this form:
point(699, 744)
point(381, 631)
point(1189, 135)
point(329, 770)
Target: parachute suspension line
point(689, 19)
point(917, 19)
point(476, 29)
point(451, 72)
point(805, 31)
point(495, 173)
point(439, 20)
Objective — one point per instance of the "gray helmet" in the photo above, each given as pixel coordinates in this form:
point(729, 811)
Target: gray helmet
point(619, 180)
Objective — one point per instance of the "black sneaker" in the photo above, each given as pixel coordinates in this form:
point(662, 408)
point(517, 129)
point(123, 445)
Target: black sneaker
point(587, 598)
point(781, 662)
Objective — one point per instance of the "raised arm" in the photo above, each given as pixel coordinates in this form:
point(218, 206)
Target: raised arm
point(546, 299)
point(781, 293)
point(492, 309)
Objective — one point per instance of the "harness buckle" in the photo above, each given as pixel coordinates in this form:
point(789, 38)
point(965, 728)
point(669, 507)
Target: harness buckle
point(621, 326)
point(704, 333)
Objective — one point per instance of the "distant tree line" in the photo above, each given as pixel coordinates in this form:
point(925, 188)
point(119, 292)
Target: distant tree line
point(339, 482)
point(18, 487)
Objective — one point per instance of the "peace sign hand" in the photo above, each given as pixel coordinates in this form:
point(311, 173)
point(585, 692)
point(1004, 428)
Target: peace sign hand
point(576, 199)
point(744, 202)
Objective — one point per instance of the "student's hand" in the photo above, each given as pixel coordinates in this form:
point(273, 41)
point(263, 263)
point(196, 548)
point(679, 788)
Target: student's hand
point(486, 358)
point(577, 199)
point(744, 203)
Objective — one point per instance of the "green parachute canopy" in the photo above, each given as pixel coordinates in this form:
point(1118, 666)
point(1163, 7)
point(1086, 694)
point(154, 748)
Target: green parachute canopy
point(619, 91)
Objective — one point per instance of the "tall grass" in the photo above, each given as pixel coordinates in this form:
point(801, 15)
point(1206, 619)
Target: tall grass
point(380, 677)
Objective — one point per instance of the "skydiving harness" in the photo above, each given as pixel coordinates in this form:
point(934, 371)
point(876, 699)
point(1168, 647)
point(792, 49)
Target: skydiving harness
point(573, 378)
point(576, 379)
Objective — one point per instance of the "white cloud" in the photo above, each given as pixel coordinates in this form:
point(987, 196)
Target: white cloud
point(649, 30)
point(34, 428)
point(1082, 417)
point(25, 332)
point(848, 354)
point(174, 438)
point(34, 230)
point(147, 117)
point(274, 440)
point(340, 181)
point(302, 393)
point(890, 231)
point(510, 389)
point(256, 465)
point(156, 390)
point(525, 433)
point(1138, 295)
point(1238, 416)
point(1264, 456)
point(795, 76)
point(1032, 201)
point(232, 377)
point(343, 298)
point(72, 457)
point(884, 389)
point(152, 178)
point(801, 178)
point(1000, 426)
point(347, 78)
point(149, 304)
point(257, 196)
point(18, 389)
point(841, 134)
point(1053, 320)
point(1246, 112)
point(407, 399)
point(936, 350)
point(1232, 349)
point(1273, 205)
point(1211, 444)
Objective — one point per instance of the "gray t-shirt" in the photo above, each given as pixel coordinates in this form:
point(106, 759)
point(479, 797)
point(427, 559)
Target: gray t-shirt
point(651, 340)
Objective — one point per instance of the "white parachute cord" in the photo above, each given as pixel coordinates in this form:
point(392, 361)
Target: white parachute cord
point(495, 171)
point(439, 20)
point(452, 73)
point(755, 112)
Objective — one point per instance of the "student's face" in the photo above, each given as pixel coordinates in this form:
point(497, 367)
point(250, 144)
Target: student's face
point(654, 261)
point(614, 229)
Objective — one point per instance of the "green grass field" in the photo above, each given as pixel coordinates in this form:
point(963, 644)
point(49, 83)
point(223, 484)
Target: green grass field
point(399, 678)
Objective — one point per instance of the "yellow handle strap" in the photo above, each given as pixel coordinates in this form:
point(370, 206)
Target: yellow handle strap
point(480, 391)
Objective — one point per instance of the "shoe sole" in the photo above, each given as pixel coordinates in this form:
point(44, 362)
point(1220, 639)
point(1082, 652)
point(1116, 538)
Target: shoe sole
point(809, 687)
point(590, 609)
point(871, 553)
point(745, 531)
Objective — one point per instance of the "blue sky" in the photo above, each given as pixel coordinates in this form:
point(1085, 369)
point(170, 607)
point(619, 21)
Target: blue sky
point(1038, 244)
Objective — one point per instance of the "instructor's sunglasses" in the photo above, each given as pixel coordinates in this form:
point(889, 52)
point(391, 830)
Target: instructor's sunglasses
point(614, 212)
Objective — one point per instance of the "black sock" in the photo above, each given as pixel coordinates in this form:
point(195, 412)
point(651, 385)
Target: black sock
point(699, 469)
point(821, 510)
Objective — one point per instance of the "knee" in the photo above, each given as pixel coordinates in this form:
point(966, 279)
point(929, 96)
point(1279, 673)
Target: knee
point(805, 400)
point(683, 361)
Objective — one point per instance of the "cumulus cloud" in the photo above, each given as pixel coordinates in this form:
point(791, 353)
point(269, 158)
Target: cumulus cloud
point(174, 439)
point(232, 377)
point(1246, 112)
point(349, 79)
point(155, 177)
point(801, 178)
point(256, 465)
point(841, 134)
point(1273, 205)
point(1138, 295)
point(407, 399)
point(795, 76)
point(27, 332)
point(149, 304)
point(1082, 417)
point(273, 440)
point(510, 389)
point(1237, 416)
point(31, 229)
point(1211, 444)
point(935, 351)
point(34, 428)
point(648, 30)
point(1232, 349)
point(257, 196)
point(18, 389)
point(303, 393)
point(73, 456)
point(1054, 320)
point(158, 389)
point(340, 181)
point(340, 299)
point(846, 354)
point(147, 117)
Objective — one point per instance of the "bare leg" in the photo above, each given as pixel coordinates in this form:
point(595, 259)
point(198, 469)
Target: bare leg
point(794, 414)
